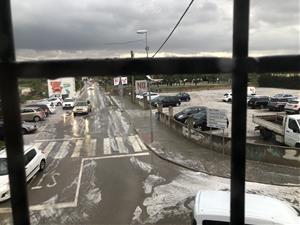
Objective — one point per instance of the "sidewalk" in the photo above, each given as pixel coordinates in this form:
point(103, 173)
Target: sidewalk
point(173, 147)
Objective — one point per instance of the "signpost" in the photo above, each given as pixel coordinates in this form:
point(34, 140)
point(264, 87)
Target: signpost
point(140, 86)
point(216, 119)
point(120, 81)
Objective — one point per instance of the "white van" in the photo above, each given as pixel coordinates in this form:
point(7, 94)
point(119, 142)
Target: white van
point(213, 208)
point(251, 91)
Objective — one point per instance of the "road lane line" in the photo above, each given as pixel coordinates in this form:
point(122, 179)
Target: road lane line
point(61, 139)
point(133, 141)
point(121, 146)
point(118, 156)
point(78, 147)
point(92, 146)
point(63, 150)
point(38, 145)
point(106, 146)
point(143, 146)
point(48, 148)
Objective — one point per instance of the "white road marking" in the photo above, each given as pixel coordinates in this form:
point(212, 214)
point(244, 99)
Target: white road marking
point(106, 146)
point(93, 146)
point(118, 156)
point(73, 204)
point(63, 150)
point(143, 146)
point(121, 146)
point(48, 148)
point(133, 141)
point(61, 139)
point(38, 145)
point(36, 187)
point(53, 179)
point(78, 147)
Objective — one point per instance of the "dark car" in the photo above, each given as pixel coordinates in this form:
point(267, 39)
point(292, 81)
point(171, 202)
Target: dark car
point(184, 114)
point(166, 101)
point(258, 101)
point(278, 103)
point(44, 107)
point(184, 97)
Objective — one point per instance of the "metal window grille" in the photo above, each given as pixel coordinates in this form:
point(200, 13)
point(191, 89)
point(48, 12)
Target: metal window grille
point(239, 65)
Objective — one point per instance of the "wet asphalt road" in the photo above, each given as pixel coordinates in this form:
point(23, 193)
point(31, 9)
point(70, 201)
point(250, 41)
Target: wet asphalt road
point(99, 172)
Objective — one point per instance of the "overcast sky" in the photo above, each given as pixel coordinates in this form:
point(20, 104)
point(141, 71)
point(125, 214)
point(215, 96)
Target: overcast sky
point(102, 28)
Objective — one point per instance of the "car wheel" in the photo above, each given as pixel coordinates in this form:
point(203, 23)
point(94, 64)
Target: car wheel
point(74, 114)
point(36, 119)
point(194, 222)
point(42, 165)
point(24, 131)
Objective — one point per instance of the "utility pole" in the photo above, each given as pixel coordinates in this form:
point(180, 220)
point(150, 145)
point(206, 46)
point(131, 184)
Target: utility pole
point(132, 81)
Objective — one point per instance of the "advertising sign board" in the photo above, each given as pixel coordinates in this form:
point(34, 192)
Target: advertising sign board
point(216, 118)
point(63, 86)
point(117, 80)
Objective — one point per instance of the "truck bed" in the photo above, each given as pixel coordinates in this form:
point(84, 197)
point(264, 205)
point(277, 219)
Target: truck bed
point(271, 122)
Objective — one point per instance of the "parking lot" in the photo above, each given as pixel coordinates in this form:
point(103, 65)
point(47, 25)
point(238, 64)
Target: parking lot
point(213, 99)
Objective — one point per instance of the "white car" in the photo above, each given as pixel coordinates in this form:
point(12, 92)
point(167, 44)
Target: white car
point(35, 161)
point(213, 207)
point(293, 106)
point(227, 97)
point(153, 95)
point(56, 101)
point(50, 105)
point(68, 103)
point(82, 107)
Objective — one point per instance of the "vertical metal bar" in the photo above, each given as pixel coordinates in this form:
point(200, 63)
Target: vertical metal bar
point(12, 120)
point(239, 110)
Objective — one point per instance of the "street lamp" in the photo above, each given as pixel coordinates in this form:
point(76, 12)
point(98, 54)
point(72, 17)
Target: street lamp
point(146, 33)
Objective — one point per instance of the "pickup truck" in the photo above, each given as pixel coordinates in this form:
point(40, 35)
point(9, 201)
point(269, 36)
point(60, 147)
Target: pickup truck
point(284, 128)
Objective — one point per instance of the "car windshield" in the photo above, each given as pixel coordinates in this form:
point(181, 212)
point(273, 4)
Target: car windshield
point(68, 100)
point(3, 167)
point(187, 110)
point(294, 102)
point(81, 104)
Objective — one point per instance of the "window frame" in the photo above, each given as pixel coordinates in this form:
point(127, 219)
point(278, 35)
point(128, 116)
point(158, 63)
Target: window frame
point(239, 65)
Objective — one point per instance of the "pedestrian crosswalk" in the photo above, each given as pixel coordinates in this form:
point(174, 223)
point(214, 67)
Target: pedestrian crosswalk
point(90, 147)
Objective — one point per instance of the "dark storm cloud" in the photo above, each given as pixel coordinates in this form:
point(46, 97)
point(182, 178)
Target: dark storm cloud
point(93, 25)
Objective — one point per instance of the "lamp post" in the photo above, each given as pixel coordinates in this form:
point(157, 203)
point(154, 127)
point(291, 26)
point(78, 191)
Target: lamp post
point(146, 37)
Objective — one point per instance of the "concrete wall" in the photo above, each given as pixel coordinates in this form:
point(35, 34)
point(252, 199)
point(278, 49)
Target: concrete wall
point(281, 155)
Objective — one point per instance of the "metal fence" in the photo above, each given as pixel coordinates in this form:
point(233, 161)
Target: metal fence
point(239, 65)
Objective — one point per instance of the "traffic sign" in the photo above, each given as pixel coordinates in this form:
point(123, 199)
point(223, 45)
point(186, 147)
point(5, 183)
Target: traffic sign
point(216, 118)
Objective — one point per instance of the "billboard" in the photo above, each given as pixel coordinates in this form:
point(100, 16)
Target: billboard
point(117, 80)
point(63, 86)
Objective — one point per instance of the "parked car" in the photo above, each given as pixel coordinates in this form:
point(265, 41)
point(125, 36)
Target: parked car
point(258, 101)
point(166, 101)
point(26, 128)
point(153, 95)
point(56, 101)
point(184, 114)
point(293, 106)
point(35, 161)
point(278, 103)
point(213, 207)
point(184, 97)
point(43, 106)
point(32, 114)
point(68, 103)
point(82, 107)
point(227, 97)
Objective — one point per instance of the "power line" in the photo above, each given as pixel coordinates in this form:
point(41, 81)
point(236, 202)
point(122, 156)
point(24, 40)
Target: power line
point(124, 42)
point(174, 28)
